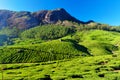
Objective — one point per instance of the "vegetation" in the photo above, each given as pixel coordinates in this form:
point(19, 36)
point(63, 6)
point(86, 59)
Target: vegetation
point(48, 51)
point(10, 32)
point(46, 32)
point(99, 42)
point(61, 52)
point(105, 67)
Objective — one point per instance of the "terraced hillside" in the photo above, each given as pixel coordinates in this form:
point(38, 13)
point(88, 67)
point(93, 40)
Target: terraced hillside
point(47, 51)
point(106, 67)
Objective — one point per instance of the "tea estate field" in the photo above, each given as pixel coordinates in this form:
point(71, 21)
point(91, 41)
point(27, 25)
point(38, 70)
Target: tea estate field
point(106, 67)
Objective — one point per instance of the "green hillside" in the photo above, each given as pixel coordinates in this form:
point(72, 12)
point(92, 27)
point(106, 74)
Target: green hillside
point(55, 52)
point(82, 43)
point(106, 67)
point(47, 51)
point(99, 42)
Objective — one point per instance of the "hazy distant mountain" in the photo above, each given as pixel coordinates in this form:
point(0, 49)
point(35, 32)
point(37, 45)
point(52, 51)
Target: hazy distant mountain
point(25, 19)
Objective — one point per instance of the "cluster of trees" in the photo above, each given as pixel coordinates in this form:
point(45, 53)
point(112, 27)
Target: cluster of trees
point(10, 32)
point(97, 26)
point(6, 34)
point(46, 32)
point(3, 39)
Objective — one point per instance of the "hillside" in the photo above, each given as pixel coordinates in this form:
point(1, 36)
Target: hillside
point(53, 45)
point(47, 51)
point(99, 42)
point(59, 42)
point(105, 67)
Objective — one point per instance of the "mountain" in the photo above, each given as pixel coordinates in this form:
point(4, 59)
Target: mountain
point(25, 19)
point(53, 16)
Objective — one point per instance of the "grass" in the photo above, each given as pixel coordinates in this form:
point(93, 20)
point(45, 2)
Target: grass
point(104, 67)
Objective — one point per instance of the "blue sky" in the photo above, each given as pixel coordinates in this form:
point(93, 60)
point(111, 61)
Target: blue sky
point(104, 11)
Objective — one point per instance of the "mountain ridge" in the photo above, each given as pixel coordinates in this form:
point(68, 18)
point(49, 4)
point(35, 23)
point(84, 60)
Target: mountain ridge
point(26, 19)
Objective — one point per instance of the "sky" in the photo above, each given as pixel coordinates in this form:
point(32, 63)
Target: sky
point(103, 11)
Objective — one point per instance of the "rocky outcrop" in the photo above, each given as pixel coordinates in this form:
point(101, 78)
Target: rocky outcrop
point(53, 16)
point(25, 20)
point(4, 15)
point(22, 20)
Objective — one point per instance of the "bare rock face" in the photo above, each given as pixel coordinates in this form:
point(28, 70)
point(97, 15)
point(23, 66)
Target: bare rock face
point(22, 20)
point(53, 16)
point(40, 15)
point(25, 20)
point(4, 15)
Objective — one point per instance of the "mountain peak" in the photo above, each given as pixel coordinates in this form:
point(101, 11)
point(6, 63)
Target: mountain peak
point(25, 19)
point(60, 9)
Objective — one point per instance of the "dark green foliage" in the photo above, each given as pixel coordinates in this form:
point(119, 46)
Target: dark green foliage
point(101, 75)
point(3, 38)
point(46, 77)
point(46, 32)
point(10, 32)
point(6, 35)
point(76, 76)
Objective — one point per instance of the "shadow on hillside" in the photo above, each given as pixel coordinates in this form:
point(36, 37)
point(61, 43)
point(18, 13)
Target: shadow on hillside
point(81, 48)
point(77, 46)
